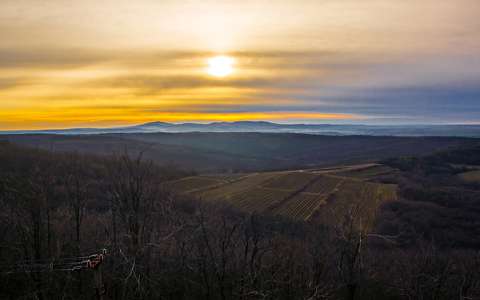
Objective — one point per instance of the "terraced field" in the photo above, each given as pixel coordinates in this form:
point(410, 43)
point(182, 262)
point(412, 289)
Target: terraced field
point(230, 190)
point(202, 183)
point(290, 181)
point(258, 200)
point(191, 184)
point(326, 185)
point(301, 206)
point(357, 197)
point(307, 195)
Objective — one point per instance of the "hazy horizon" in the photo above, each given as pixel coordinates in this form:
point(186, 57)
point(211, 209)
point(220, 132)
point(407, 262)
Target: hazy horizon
point(292, 123)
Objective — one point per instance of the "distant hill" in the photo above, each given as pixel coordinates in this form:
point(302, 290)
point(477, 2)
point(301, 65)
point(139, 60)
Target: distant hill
point(246, 152)
point(269, 127)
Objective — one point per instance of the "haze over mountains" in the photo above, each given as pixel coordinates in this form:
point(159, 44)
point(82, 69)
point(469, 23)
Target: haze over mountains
point(269, 127)
point(243, 151)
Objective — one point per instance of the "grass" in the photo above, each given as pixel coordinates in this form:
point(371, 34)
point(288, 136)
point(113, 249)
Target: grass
point(290, 181)
point(361, 198)
point(301, 206)
point(367, 173)
point(190, 184)
point(325, 184)
point(258, 200)
point(244, 184)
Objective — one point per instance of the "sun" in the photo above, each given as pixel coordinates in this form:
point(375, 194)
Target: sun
point(220, 66)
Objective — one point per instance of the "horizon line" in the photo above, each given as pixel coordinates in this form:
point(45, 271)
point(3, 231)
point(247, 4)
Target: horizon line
point(241, 121)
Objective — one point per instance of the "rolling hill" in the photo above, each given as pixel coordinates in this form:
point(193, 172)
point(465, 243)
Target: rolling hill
point(245, 152)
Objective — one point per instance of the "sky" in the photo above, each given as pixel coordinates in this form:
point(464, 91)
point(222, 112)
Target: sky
point(109, 63)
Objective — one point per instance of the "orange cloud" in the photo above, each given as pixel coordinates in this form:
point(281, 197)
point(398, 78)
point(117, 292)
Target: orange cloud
point(86, 118)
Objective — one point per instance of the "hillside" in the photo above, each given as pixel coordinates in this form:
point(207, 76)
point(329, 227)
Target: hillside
point(59, 209)
point(439, 199)
point(321, 195)
point(246, 152)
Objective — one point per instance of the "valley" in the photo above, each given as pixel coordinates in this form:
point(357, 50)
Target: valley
point(227, 152)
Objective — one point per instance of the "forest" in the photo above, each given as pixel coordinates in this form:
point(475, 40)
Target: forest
point(60, 210)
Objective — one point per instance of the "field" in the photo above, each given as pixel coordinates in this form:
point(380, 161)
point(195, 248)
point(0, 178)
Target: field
point(368, 172)
point(201, 183)
point(361, 198)
point(307, 195)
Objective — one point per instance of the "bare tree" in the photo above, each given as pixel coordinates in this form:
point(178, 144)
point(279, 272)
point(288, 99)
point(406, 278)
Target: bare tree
point(133, 190)
point(76, 186)
point(350, 234)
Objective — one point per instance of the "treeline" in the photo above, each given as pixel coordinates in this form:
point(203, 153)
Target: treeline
point(435, 204)
point(440, 164)
point(161, 246)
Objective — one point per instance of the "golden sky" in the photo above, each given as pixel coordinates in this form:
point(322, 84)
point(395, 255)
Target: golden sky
point(106, 63)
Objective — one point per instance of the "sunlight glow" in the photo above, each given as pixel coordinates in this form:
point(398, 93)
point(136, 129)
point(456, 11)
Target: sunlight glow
point(220, 66)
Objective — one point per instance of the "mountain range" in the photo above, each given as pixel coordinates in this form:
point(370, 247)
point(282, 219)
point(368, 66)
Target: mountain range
point(269, 127)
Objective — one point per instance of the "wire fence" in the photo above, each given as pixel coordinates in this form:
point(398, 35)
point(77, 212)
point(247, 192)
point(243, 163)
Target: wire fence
point(68, 264)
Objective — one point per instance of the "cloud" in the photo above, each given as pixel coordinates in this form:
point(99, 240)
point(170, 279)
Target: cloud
point(158, 83)
point(71, 57)
point(267, 81)
point(6, 83)
point(50, 58)
point(155, 85)
point(446, 103)
point(120, 60)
